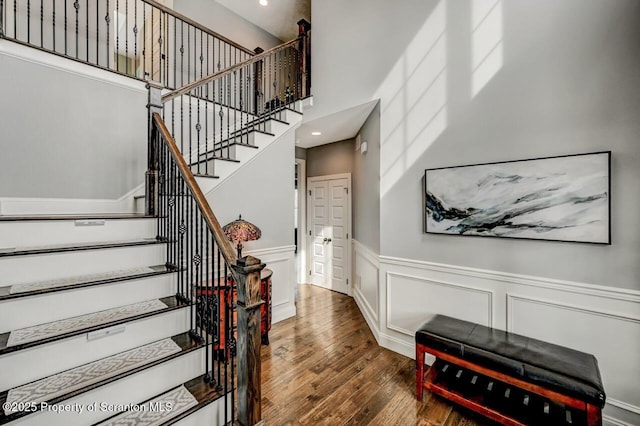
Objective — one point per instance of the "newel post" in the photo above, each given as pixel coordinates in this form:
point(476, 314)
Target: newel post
point(304, 33)
point(257, 82)
point(154, 104)
point(249, 364)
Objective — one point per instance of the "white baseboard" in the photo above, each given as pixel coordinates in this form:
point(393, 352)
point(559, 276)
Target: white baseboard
point(596, 319)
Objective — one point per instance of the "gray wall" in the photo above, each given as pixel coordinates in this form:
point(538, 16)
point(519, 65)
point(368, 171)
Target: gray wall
point(69, 135)
point(330, 159)
point(301, 153)
point(223, 21)
point(262, 191)
point(568, 84)
point(366, 185)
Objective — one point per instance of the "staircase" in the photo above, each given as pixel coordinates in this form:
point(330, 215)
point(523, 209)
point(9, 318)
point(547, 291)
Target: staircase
point(128, 318)
point(89, 314)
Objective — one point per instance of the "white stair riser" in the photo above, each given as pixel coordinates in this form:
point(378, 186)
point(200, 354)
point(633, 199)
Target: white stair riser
point(38, 267)
point(223, 168)
point(140, 205)
point(207, 184)
point(33, 310)
point(243, 153)
point(292, 117)
point(210, 415)
point(61, 355)
point(277, 127)
point(129, 390)
point(15, 206)
point(261, 140)
point(36, 233)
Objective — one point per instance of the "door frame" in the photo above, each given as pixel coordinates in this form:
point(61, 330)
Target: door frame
point(348, 265)
point(302, 220)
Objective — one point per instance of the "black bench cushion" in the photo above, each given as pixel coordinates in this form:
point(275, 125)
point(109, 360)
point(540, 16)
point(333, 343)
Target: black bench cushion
point(565, 370)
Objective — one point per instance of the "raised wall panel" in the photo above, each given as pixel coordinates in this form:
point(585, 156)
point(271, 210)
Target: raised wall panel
point(412, 300)
point(602, 334)
point(604, 321)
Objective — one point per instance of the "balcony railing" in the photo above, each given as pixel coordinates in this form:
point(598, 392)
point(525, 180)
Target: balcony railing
point(138, 38)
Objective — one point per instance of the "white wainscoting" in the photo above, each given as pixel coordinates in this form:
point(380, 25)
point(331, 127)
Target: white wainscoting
point(283, 282)
point(366, 287)
point(596, 319)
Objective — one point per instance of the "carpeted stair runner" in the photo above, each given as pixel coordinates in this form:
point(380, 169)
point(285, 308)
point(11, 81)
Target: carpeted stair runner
point(156, 411)
point(56, 328)
point(70, 281)
point(60, 384)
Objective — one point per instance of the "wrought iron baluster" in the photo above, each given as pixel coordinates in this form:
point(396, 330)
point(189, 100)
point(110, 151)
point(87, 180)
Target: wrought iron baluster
point(144, 41)
point(41, 23)
point(107, 19)
point(198, 129)
point(175, 55)
point(97, 33)
point(190, 124)
point(126, 37)
point(86, 3)
point(76, 6)
point(229, 322)
point(28, 21)
point(135, 37)
point(160, 43)
point(2, 23)
point(152, 53)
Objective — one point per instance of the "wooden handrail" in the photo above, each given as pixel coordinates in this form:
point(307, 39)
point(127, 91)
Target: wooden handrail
point(197, 25)
point(225, 246)
point(215, 76)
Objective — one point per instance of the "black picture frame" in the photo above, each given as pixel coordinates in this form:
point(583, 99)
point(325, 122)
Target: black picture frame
point(560, 198)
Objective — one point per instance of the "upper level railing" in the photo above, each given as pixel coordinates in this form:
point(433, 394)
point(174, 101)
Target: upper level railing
point(210, 117)
point(139, 38)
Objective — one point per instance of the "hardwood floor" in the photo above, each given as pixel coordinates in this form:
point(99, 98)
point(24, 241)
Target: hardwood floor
point(324, 367)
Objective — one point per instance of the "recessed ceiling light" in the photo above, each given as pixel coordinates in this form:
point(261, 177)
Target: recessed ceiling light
point(264, 2)
point(316, 133)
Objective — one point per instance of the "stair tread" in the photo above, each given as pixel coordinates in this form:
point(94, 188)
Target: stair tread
point(179, 399)
point(204, 160)
point(69, 383)
point(78, 281)
point(57, 330)
point(55, 248)
point(74, 216)
point(206, 176)
point(202, 393)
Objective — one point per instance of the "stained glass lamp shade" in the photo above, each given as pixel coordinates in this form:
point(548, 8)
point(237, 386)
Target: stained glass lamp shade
point(240, 230)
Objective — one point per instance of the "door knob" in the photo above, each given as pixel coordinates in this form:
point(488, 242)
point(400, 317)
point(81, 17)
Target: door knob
point(328, 240)
point(324, 241)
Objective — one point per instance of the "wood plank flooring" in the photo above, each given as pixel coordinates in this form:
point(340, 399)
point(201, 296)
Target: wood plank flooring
point(324, 367)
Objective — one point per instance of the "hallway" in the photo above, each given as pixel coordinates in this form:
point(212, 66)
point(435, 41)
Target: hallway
point(324, 367)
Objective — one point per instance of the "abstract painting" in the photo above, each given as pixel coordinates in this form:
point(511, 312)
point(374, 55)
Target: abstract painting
point(564, 198)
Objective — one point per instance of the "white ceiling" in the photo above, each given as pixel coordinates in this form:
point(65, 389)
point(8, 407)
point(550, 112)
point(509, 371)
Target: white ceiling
point(334, 127)
point(279, 17)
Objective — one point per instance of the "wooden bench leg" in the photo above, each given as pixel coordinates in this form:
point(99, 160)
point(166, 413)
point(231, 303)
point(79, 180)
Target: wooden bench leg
point(419, 371)
point(594, 415)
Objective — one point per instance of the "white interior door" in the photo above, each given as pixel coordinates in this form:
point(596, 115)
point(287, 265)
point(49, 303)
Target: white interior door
point(329, 221)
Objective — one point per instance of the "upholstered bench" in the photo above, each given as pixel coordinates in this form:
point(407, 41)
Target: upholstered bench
point(507, 377)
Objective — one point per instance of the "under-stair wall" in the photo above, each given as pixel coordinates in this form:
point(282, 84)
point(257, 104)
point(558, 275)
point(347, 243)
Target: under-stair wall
point(267, 200)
